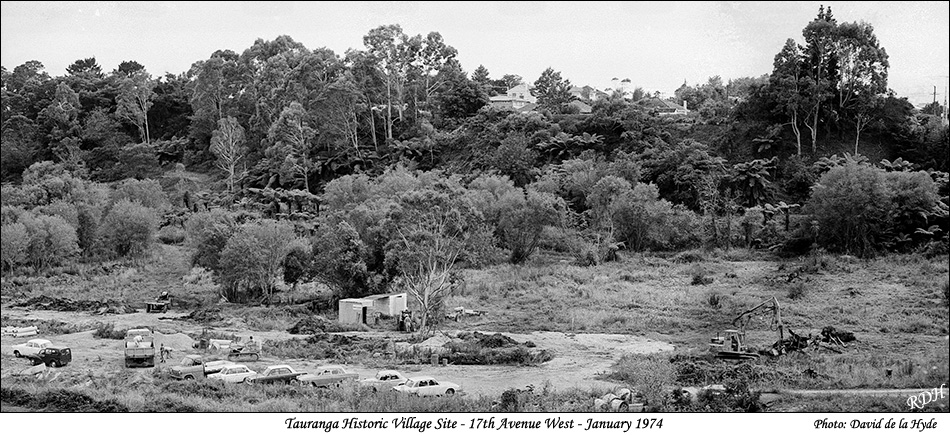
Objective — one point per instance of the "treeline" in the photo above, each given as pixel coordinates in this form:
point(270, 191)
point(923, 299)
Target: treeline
point(386, 168)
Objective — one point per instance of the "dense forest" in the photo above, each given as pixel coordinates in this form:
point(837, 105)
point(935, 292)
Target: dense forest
point(388, 167)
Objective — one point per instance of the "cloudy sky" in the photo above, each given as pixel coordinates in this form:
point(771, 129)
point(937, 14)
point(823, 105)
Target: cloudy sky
point(655, 45)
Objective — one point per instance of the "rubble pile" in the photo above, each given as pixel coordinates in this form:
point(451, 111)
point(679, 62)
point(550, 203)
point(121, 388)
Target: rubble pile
point(45, 302)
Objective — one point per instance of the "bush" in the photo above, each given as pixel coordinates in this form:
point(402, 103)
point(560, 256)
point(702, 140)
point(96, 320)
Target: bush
point(52, 240)
point(946, 293)
point(861, 210)
point(714, 300)
point(698, 274)
point(522, 219)
point(172, 235)
point(108, 331)
point(208, 233)
point(253, 257)
point(148, 193)
point(14, 242)
point(797, 291)
point(129, 229)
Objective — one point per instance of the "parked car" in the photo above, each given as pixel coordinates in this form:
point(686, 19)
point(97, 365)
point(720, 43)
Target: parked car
point(384, 380)
point(233, 374)
point(193, 366)
point(327, 376)
point(53, 356)
point(427, 387)
point(277, 374)
point(31, 347)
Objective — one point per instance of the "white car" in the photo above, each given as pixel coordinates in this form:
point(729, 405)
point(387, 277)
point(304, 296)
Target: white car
point(427, 387)
point(31, 347)
point(233, 374)
point(385, 380)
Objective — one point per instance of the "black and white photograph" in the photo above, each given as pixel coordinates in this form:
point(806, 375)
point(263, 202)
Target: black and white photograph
point(534, 217)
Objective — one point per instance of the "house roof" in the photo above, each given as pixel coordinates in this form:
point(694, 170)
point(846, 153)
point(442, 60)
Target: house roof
point(584, 108)
point(658, 103)
point(528, 107)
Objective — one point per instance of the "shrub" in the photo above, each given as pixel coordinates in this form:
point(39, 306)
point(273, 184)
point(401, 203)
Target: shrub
point(148, 193)
point(173, 235)
point(714, 300)
point(208, 233)
point(14, 242)
point(698, 274)
point(108, 331)
point(129, 229)
point(253, 258)
point(797, 291)
point(946, 293)
point(522, 219)
point(52, 240)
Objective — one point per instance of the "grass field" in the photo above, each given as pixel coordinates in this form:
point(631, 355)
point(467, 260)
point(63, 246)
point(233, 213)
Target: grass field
point(893, 304)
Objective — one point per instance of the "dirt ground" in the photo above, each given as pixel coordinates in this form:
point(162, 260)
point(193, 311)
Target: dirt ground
point(578, 358)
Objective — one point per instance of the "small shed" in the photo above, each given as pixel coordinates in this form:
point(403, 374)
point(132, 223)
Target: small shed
point(363, 309)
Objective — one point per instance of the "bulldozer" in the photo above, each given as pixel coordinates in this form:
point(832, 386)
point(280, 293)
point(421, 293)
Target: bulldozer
point(731, 344)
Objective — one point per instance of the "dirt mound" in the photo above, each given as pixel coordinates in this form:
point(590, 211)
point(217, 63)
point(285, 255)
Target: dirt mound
point(496, 349)
point(496, 340)
point(45, 302)
point(203, 316)
point(313, 325)
point(178, 342)
point(59, 400)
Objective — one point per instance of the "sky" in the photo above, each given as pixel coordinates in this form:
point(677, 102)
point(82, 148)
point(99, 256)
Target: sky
point(657, 45)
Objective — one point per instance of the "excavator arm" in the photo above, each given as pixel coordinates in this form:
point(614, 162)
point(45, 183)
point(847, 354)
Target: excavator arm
point(769, 304)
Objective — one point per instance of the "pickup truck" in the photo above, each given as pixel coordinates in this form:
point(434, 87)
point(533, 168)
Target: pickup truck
point(384, 380)
point(193, 366)
point(276, 374)
point(233, 373)
point(139, 348)
point(327, 376)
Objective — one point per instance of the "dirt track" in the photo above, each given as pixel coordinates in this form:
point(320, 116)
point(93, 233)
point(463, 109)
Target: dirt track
point(578, 361)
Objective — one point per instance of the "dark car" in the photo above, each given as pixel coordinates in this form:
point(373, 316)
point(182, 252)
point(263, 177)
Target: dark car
point(53, 356)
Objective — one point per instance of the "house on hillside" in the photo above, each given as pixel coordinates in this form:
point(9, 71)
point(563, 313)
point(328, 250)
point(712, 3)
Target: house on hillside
point(516, 98)
point(582, 108)
point(663, 106)
point(521, 92)
point(363, 310)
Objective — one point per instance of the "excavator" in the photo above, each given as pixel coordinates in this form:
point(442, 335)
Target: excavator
point(730, 344)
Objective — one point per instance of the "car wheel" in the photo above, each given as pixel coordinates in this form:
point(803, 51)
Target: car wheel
point(247, 380)
point(450, 391)
point(54, 364)
point(294, 382)
point(189, 377)
point(16, 353)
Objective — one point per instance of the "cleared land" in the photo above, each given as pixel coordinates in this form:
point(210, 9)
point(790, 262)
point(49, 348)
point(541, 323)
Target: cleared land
point(639, 322)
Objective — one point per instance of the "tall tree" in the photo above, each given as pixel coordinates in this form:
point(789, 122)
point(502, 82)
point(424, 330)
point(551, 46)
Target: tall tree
point(290, 136)
point(433, 58)
point(227, 143)
point(135, 99)
point(787, 87)
point(862, 80)
point(822, 67)
point(553, 92)
point(391, 50)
